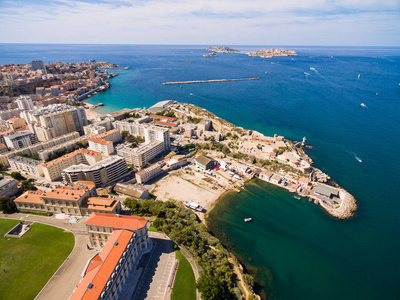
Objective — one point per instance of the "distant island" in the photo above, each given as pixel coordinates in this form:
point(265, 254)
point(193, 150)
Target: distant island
point(222, 49)
point(267, 53)
point(211, 54)
point(272, 52)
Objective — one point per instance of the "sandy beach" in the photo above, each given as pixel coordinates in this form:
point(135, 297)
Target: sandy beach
point(91, 114)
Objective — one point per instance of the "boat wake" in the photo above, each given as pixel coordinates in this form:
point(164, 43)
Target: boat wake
point(358, 76)
point(307, 74)
point(359, 159)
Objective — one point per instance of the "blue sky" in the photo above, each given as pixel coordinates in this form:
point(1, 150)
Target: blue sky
point(225, 22)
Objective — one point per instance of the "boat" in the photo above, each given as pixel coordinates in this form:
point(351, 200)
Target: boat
point(297, 197)
point(126, 68)
point(316, 202)
point(363, 105)
point(358, 76)
point(302, 195)
point(247, 219)
point(291, 191)
point(193, 205)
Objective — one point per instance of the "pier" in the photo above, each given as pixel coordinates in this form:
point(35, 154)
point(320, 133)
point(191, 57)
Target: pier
point(206, 81)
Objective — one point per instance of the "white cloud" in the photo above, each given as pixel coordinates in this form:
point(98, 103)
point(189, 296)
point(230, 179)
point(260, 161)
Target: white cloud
point(318, 22)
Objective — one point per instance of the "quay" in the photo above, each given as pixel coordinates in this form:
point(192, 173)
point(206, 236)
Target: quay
point(206, 81)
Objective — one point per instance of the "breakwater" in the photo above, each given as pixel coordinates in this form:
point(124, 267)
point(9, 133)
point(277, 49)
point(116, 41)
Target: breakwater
point(207, 81)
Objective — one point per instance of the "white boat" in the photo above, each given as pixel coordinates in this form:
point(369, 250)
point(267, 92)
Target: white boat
point(126, 68)
point(247, 219)
point(363, 105)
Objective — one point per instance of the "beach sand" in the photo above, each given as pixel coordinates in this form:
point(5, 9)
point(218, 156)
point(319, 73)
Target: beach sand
point(91, 114)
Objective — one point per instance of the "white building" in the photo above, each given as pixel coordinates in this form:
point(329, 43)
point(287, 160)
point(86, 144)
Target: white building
point(140, 156)
point(20, 139)
point(25, 103)
point(26, 165)
point(239, 167)
point(8, 187)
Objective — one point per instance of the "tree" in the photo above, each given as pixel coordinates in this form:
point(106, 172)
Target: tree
point(1, 166)
point(248, 279)
point(27, 185)
point(133, 204)
point(211, 288)
point(7, 205)
point(17, 176)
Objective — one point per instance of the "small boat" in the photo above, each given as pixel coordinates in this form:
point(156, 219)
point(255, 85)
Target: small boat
point(309, 200)
point(126, 68)
point(302, 195)
point(247, 219)
point(291, 191)
point(358, 76)
point(363, 105)
point(191, 94)
point(316, 202)
point(297, 197)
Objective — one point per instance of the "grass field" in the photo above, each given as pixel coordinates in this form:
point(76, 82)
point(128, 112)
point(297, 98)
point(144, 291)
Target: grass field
point(27, 263)
point(185, 283)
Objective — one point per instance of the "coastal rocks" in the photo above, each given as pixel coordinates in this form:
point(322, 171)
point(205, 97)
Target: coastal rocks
point(222, 49)
point(210, 54)
point(319, 176)
point(268, 53)
point(347, 208)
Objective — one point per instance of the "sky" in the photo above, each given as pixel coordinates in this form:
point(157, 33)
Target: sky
point(202, 22)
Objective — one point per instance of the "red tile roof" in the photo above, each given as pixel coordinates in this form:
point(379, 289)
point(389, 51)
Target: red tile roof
point(162, 117)
point(102, 266)
point(99, 203)
point(33, 197)
point(165, 123)
point(116, 221)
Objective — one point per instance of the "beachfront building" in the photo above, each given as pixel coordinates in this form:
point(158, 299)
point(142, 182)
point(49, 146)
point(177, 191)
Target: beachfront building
point(326, 191)
point(275, 179)
point(26, 165)
point(238, 167)
point(102, 172)
point(20, 139)
point(265, 175)
point(52, 170)
point(107, 273)
point(142, 154)
point(148, 173)
point(100, 227)
point(8, 187)
point(204, 162)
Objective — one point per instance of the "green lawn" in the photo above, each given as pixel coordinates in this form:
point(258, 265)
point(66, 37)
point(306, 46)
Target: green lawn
point(27, 263)
point(185, 283)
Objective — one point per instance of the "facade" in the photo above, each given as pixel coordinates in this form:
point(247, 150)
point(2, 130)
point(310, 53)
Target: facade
point(103, 142)
point(101, 172)
point(52, 170)
point(100, 204)
point(31, 201)
point(56, 120)
point(8, 187)
point(21, 139)
point(107, 272)
point(8, 114)
point(204, 125)
point(239, 167)
point(3, 148)
point(141, 155)
point(27, 165)
point(265, 175)
point(148, 173)
point(275, 179)
point(25, 103)
point(38, 65)
point(149, 132)
point(100, 227)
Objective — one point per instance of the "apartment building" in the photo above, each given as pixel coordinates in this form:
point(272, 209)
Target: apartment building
point(148, 173)
point(25, 103)
point(20, 139)
point(107, 272)
point(52, 170)
point(101, 172)
point(26, 165)
point(8, 187)
point(56, 120)
point(104, 142)
point(141, 155)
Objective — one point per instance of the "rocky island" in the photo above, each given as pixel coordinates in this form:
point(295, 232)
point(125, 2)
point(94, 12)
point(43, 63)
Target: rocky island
point(271, 52)
point(222, 49)
point(210, 54)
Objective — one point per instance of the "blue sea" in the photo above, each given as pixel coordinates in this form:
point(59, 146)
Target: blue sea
point(295, 250)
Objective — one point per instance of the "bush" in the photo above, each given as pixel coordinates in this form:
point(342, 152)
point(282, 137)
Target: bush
point(7, 205)
point(248, 279)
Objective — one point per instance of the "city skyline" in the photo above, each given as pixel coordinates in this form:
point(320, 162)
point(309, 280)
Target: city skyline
point(311, 22)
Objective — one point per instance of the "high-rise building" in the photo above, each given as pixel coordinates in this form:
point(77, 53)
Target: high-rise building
point(56, 120)
point(25, 103)
point(20, 139)
point(38, 65)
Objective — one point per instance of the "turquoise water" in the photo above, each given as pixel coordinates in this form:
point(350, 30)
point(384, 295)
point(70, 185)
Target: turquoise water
point(297, 250)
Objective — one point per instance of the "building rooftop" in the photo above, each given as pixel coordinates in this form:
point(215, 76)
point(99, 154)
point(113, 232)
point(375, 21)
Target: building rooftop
point(165, 123)
point(69, 155)
point(203, 160)
point(100, 141)
point(19, 134)
point(326, 190)
point(162, 117)
point(116, 221)
point(141, 148)
point(130, 189)
point(100, 164)
point(65, 193)
point(101, 266)
point(25, 160)
point(33, 197)
point(100, 203)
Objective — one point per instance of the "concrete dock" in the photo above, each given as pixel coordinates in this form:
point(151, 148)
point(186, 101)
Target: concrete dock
point(206, 81)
